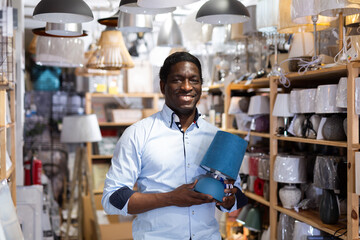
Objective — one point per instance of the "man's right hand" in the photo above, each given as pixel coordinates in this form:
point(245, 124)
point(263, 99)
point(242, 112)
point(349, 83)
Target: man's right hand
point(185, 196)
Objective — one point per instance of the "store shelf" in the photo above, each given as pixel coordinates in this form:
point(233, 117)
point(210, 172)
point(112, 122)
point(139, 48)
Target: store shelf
point(312, 141)
point(10, 171)
point(257, 198)
point(252, 133)
point(255, 83)
point(101, 157)
point(9, 125)
point(125, 95)
point(98, 191)
point(114, 124)
point(312, 218)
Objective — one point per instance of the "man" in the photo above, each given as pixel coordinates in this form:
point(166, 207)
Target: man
point(162, 154)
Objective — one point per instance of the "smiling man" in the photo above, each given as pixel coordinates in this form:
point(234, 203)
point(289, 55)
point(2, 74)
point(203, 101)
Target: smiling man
point(162, 154)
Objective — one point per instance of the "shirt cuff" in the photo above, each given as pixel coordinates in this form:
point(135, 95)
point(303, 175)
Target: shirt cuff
point(120, 197)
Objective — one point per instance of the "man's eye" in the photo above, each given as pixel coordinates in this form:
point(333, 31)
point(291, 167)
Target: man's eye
point(195, 80)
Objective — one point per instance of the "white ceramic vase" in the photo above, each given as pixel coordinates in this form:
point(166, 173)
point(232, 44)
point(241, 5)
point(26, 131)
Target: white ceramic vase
point(290, 196)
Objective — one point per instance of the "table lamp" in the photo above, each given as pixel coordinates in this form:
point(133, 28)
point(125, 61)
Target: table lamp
point(325, 100)
point(222, 161)
point(282, 109)
point(253, 220)
point(290, 169)
point(259, 106)
point(80, 129)
point(244, 212)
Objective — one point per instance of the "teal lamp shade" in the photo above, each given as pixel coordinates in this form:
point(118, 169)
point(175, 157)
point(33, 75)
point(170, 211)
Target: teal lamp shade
point(244, 212)
point(222, 160)
point(65, 11)
point(253, 220)
point(225, 155)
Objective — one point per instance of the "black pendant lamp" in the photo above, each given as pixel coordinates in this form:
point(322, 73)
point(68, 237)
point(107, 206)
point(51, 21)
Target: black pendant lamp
point(222, 12)
point(64, 11)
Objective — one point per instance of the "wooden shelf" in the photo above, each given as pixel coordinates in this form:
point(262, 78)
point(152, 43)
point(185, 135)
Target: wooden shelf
point(255, 83)
point(125, 95)
point(10, 171)
point(257, 198)
point(114, 124)
point(312, 141)
point(98, 191)
point(312, 218)
point(9, 125)
point(101, 156)
point(252, 133)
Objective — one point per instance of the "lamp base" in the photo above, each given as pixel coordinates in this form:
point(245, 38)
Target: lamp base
point(211, 186)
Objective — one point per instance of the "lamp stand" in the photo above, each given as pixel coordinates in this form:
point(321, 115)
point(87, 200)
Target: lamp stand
point(275, 70)
point(315, 66)
point(77, 178)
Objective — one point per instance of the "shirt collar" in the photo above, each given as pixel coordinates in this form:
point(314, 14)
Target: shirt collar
point(170, 116)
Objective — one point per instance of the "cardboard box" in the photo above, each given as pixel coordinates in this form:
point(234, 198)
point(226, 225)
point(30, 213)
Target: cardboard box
point(127, 115)
point(112, 230)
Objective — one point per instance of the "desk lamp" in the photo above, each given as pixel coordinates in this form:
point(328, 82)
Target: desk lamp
point(80, 129)
point(282, 109)
point(259, 106)
point(222, 161)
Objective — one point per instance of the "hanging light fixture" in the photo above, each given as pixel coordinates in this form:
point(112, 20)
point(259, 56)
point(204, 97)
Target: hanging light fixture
point(65, 11)
point(163, 3)
point(111, 21)
point(64, 29)
point(222, 12)
point(131, 6)
point(170, 34)
point(128, 22)
point(111, 53)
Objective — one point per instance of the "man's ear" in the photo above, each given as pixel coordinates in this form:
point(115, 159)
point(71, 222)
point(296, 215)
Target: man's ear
point(162, 86)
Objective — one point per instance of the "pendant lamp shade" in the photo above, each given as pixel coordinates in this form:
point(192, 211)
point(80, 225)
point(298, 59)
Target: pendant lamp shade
point(54, 51)
point(170, 34)
point(64, 29)
point(249, 27)
point(222, 12)
point(65, 11)
point(111, 53)
point(128, 22)
point(332, 8)
point(111, 21)
point(267, 15)
point(163, 3)
point(286, 25)
point(131, 6)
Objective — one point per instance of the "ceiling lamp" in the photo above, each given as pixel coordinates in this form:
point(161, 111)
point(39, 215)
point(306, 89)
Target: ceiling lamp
point(111, 53)
point(163, 3)
point(54, 51)
point(128, 22)
point(111, 21)
point(65, 11)
point(131, 6)
point(170, 34)
point(64, 29)
point(222, 12)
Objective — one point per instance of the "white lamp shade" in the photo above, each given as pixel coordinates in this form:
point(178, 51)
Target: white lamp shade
point(302, 45)
point(129, 22)
point(163, 3)
point(332, 8)
point(131, 6)
point(259, 104)
point(304, 8)
point(308, 100)
point(244, 169)
point(290, 169)
point(80, 129)
point(357, 96)
point(341, 93)
point(325, 101)
point(303, 230)
point(295, 103)
point(54, 51)
point(267, 15)
point(282, 106)
point(286, 25)
point(249, 27)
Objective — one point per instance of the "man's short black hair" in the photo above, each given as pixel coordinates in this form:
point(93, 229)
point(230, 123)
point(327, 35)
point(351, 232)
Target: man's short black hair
point(176, 58)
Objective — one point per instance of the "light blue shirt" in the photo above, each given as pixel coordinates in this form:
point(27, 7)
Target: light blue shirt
point(159, 157)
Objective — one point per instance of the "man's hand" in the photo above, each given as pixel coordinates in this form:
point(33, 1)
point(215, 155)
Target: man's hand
point(185, 196)
point(229, 199)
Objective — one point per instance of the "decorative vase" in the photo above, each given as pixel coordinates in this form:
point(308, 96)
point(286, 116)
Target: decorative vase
point(329, 208)
point(290, 195)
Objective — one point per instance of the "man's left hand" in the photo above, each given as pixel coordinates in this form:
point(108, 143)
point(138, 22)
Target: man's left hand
point(229, 199)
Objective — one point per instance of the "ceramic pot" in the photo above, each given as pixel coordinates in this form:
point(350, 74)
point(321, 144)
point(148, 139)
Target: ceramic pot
point(290, 196)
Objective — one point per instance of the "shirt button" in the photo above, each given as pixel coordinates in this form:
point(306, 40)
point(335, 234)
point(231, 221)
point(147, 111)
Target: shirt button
point(193, 235)
point(188, 165)
point(193, 212)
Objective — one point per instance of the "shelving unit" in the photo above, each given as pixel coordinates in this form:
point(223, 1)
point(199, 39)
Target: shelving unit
point(7, 136)
point(349, 228)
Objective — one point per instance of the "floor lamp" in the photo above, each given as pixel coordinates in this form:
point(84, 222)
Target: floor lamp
point(81, 129)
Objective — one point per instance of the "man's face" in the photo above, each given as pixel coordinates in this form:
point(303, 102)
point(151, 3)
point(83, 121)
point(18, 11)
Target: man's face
point(182, 89)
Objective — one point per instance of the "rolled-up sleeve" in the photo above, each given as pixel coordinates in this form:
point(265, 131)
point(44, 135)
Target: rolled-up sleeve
point(123, 173)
